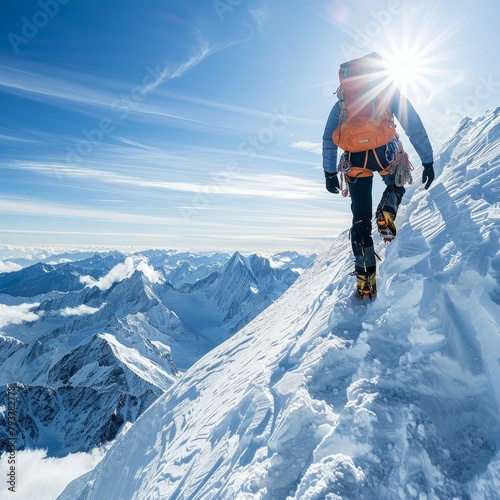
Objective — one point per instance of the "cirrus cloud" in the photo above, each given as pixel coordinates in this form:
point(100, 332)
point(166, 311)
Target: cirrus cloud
point(313, 147)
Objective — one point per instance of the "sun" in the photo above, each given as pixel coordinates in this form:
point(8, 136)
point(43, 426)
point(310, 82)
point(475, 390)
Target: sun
point(405, 68)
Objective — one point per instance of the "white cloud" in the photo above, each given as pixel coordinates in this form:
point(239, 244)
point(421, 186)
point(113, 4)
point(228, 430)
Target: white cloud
point(9, 267)
point(313, 147)
point(149, 272)
point(41, 82)
point(23, 206)
point(121, 272)
point(267, 185)
point(138, 144)
point(166, 75)
point(81, 89)
point(16, 139)
point(44, 478)
point(17, 314)
point(84, 93)
point(81, 310)
point(223, 183)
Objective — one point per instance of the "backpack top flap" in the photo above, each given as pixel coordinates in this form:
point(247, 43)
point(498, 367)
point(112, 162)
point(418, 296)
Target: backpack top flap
point(364, 87)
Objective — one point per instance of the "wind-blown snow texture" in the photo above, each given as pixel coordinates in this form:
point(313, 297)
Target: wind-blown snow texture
point(325, 397)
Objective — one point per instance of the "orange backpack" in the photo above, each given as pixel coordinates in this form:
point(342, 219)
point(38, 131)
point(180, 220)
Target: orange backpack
point(365, 92)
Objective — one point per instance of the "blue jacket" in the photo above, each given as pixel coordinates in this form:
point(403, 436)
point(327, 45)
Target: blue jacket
point(401, 107)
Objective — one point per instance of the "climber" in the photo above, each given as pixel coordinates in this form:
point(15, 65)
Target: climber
point(361, 123)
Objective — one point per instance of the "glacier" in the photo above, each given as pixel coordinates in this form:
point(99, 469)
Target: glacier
point(322, 396)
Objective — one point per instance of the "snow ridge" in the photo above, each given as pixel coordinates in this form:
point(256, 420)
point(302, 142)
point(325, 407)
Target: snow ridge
point(321, 396)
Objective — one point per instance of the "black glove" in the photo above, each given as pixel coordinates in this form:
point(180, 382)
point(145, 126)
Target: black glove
point(428, 174)
point(332, 182)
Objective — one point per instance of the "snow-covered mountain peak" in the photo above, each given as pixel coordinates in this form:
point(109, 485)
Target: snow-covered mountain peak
point(239, 262)
point(322, 396)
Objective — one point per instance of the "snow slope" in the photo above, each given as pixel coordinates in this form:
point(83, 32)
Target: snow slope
point(321, 396)
point(325, 397)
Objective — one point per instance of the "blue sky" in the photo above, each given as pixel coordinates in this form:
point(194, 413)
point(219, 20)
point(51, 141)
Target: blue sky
point(197, 124)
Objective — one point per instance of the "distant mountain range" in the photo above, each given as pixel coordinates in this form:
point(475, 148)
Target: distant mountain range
point(91, 343)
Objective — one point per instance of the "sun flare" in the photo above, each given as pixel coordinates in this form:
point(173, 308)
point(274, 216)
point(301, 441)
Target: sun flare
point(405, 68)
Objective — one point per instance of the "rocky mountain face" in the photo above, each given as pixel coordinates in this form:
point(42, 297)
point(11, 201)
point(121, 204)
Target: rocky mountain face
point(89, 345)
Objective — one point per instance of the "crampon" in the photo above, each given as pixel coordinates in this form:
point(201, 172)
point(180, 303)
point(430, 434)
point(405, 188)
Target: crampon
point(386, 226)
point(366, 285)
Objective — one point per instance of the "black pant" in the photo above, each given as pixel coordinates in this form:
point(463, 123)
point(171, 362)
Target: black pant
point(361, 207)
